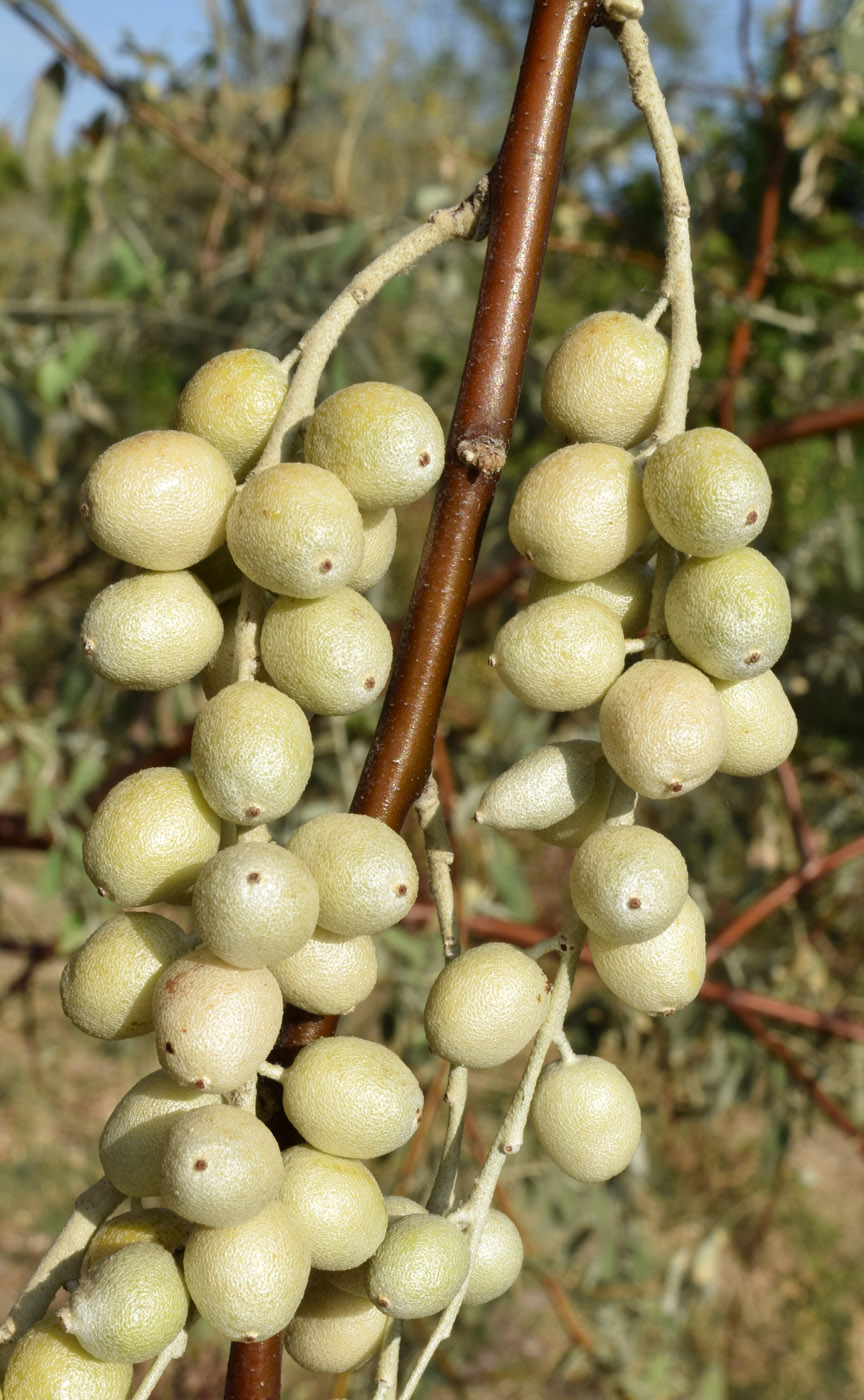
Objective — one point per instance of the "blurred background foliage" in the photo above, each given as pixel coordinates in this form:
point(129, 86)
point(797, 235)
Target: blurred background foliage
point(225, 203)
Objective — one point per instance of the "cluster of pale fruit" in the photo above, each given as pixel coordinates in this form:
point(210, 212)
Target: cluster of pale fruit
point(707, 699)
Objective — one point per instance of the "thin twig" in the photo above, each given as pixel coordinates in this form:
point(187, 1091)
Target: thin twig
point(172, 1352)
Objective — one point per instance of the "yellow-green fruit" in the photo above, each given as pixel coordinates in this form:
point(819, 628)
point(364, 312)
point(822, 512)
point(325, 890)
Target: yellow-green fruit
point(760, 722)
point(107, 985)
point(220, 1165)
point(247, 1280)
point(605, 381)
point(569, 832)
point(215, 1024)
point(159, 500)
point(379, 546)
point(579, 512)
point(151, 631)
point(498, 1260)
point(218, 571)
point(660, 975)
point(233, 401)
point(332, 1331)
point(255, 904)
point(339, 1204)
point(130, 1305)
point(296, 529)
point(48, 1364)
point(384, 442)
point(626, 590)
point(421, 1264)
point(352, 1098)
point(221, 668)
point(332, 655)
point(130, 1148)
point(252, 753)
point(485, 1005)
point(154, 1225)
point(662, 728)
point(150, 837)
point(365, 873)
point(706, 492)
point(560, 654)
point(730, 616)
point(586, 1117)
point(329, 975)
point(354, 1281)
point(542, 788)
point(628, 883)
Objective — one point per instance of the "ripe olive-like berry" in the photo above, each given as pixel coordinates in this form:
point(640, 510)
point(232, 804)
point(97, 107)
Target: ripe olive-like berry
point(252, 753)
point(605, 381)
point(339, 1204)
point(560, 654)
point(329, 975)
point(255, 904)
point(730, 616)
point(760, 722)
point(662, 728)
point(220, 1165)
point(107, 985)
point(420, 1266)
point(569, 832)
point(151, 631)
point(214, 1024)
point(247, 1280)
point(485, 1005)
point(586, 1117)
point(579, 512)
point(628, 883)
point(130, 1148)
point(296, 529)
point(155, 1225)
point(150, 837)
point(355, 1281)
point(706, 492)
point(384, 442)
point(365, 873)
point(541, 788)
point(48, 1364)
point(233, 401)
point(130, 1305)
point(333, 1332)
point(626, 590)
point(663, 973)
point(379, 546)
point(352, 1098)
point(498, 1260)
point(159, 500)
point(332, 655)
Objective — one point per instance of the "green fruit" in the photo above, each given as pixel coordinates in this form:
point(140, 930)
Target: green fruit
point(760, 723)
point(151, 631)
point(332, 655)
point(383, 442)
point(296, 529)
point(130, 1305)
point(47, 1364)
point(107, 985)
point(338, 1203)
point(220, 1165)
point(352, 1098)
point(333, 1332)
point(150, 837)
point(706, 492)
point(130, 1148)
point(661, 974)
point(586, 1117)
point(497, 1262)
point(365, 873)
point(329, 975)
point(605, 381)
point(543, 787)
point(233, 401)
point(569, 832)
point(379, 546)
point(151, 1226)
point(730, 616)
point(579, 513)
point(159, 500)
point(420, 1266)
point(485, 1005)
point(255, 904)
point(560, 654)
point(252, 753)
point(625, 590)
point(628, 883)
point(354, 1281)
point(662, 728)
